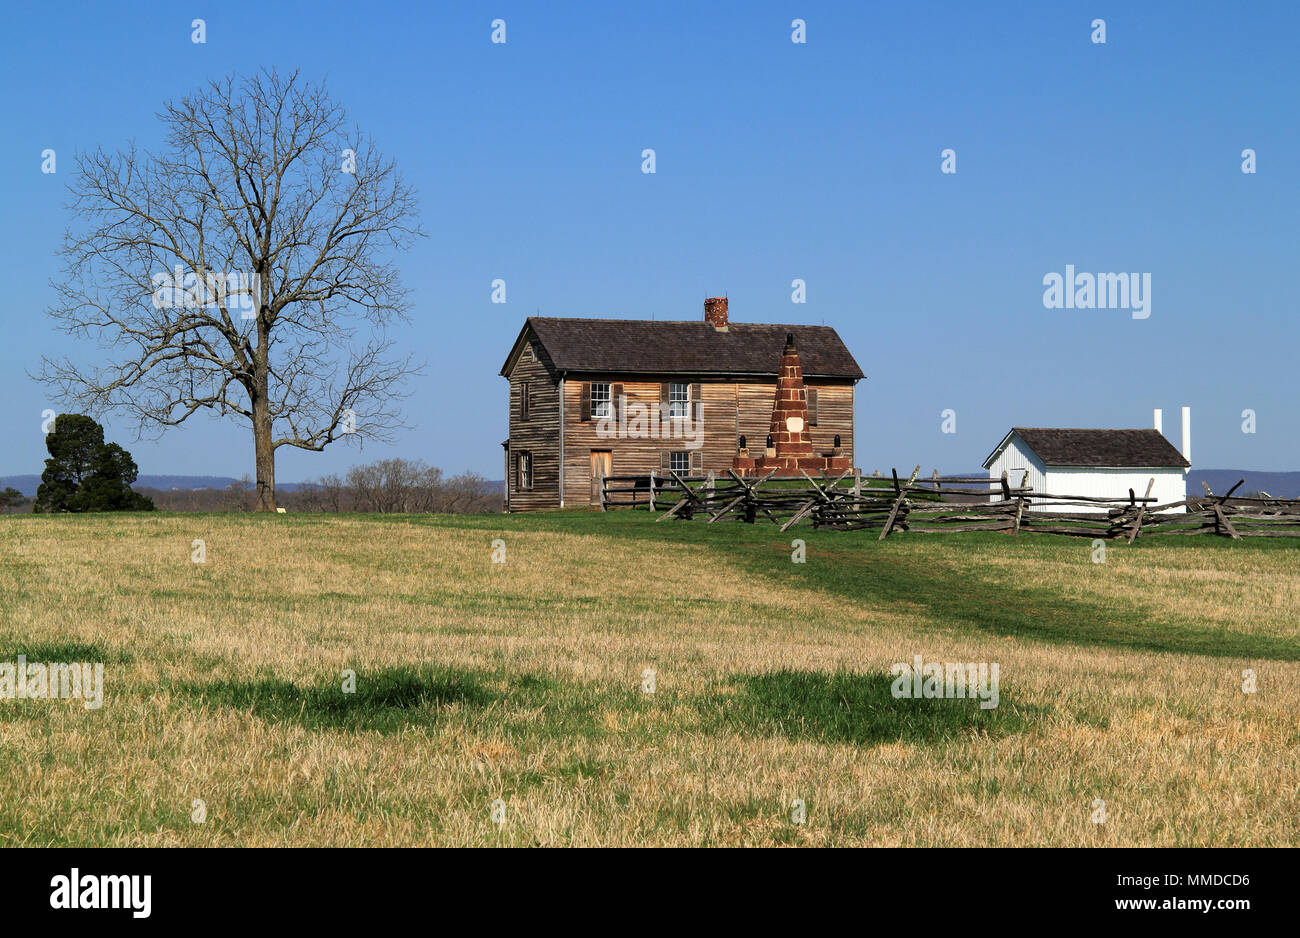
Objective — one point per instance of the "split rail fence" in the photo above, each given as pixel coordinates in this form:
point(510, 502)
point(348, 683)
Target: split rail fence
point(940, 504)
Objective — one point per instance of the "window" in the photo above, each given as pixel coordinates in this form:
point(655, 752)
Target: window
point(679, 461)
point(525, 470)
point(523, 401)
point(679, 400)
point(532, 352)
point(600, 399)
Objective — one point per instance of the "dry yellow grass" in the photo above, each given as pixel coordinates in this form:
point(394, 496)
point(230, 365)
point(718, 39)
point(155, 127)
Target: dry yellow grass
point(1180, 755)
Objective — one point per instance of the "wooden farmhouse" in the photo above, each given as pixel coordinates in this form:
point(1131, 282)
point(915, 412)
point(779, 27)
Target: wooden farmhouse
point(1092, 463)
point(596, 397)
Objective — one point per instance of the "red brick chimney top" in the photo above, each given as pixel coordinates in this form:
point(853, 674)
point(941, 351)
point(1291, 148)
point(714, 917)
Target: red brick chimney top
point(715, 312)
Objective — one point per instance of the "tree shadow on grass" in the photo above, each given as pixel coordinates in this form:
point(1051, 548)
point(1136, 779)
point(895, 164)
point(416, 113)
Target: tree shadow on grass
point(392, 699)
point(385, 700)
point(62, 652)
point(858, 709)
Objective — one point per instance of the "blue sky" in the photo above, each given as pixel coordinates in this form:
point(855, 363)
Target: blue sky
point(775, 161)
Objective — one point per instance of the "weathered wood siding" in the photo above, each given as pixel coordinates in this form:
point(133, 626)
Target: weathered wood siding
point(728, 410)
point(539, 435)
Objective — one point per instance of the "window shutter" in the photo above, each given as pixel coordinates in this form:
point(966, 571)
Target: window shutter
point(697, 460)
point(697, 402)
point(586, 401)
point(664, 459)
point(514, 470)
point(663, 399)
point(812, 407)
point(615, 401)
point(523, 401)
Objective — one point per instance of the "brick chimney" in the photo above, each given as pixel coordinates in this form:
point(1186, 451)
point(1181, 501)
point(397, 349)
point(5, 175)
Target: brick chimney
point(715, 312)
point(790, 412)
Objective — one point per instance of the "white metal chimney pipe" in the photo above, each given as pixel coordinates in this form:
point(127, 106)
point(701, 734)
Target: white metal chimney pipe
point(1159, 424)
point(1187, 434)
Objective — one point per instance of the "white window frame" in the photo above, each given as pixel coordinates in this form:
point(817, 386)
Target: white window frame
point(684, 456)
point(525, 481)
point(602, 407)
point(679, 407)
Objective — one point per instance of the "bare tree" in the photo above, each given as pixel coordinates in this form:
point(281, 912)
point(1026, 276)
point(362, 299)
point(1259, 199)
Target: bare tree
point(238, 495)
point(245, 270)
point(467, 492)
point(332, 489)
point(395, 485)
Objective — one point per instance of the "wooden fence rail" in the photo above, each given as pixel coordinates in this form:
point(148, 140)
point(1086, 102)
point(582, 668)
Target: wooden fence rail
point(943, 504)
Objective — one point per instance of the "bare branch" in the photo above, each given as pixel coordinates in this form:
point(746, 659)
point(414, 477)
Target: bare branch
point(241, 271)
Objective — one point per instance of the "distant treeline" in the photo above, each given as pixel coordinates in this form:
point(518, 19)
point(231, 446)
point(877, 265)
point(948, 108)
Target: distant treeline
point(388, 486)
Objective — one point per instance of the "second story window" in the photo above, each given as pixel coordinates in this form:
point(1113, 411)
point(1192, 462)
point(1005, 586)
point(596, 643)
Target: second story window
point(523, 401)
point(600, 399)
point(679, 399)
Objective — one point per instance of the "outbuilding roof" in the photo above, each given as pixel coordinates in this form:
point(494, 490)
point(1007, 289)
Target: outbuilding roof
point(1102, 449)
point(646, 346)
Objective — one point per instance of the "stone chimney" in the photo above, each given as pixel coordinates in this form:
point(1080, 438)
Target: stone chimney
point(790, 411)
point(715, 312)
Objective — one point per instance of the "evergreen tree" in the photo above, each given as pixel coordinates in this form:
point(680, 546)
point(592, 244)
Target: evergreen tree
point(84, 473)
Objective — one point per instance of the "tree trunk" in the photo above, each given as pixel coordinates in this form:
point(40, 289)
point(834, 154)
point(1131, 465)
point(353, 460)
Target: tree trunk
point(264, 454)
point(263, 448)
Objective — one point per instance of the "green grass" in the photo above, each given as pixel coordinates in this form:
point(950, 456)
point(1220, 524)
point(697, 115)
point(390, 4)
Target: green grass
point(521, 681)
point(843, 707)
point(960, 596)
point(858, 709)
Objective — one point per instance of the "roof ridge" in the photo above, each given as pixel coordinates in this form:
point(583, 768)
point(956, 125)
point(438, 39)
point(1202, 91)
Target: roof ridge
point(582, 344)
point(687, 322)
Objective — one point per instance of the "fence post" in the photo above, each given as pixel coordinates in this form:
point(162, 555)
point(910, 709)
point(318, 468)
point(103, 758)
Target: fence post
point(857, 489)
point(652, 491)
point(1020, 503)
point(604, 482)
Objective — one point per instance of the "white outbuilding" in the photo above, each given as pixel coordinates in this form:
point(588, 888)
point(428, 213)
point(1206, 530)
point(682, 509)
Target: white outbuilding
point(1094, 463)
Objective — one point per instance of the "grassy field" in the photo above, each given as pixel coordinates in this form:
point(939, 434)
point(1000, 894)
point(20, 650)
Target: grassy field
point(523, 681)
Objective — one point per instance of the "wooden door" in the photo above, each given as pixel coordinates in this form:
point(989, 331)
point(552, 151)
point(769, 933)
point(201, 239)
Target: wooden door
point(602, 462)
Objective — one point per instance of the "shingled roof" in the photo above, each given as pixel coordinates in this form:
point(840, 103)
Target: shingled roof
point(1097, 448)
point(644, 346)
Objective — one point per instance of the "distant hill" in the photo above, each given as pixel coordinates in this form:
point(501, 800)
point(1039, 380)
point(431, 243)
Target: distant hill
point(1278, 484)
point(27, 484)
